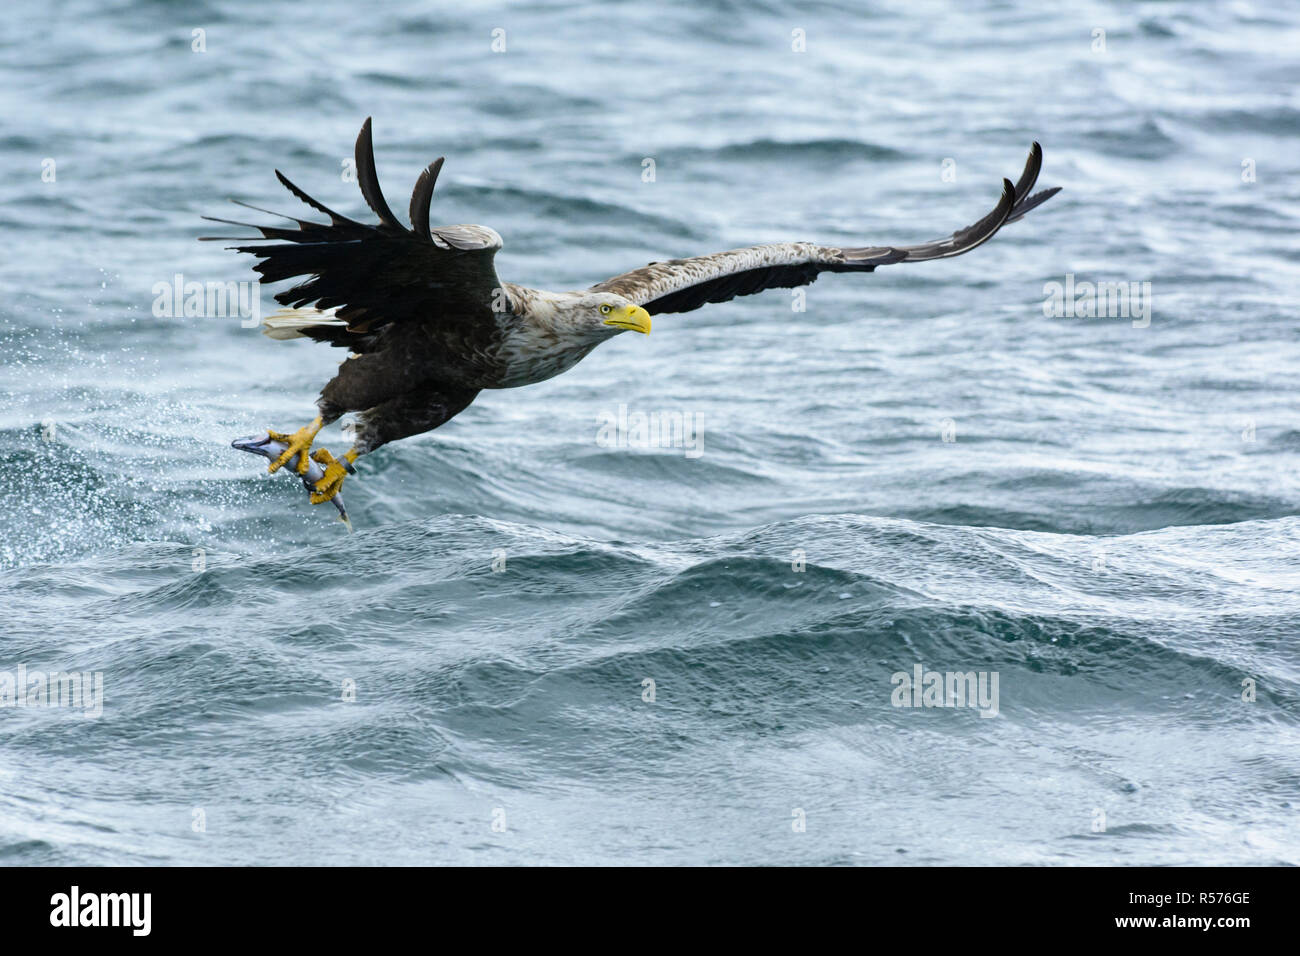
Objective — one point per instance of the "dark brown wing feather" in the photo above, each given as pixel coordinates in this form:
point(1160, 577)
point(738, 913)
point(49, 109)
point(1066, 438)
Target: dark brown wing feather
point(421, 197)
point(384, 275)
point(681, 285)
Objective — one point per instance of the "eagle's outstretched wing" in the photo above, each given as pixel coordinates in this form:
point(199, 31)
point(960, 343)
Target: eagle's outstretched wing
point(680, 285)
point(375, 276)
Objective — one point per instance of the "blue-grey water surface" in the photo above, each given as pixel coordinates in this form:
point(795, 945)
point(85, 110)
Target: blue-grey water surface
point(1111, 527)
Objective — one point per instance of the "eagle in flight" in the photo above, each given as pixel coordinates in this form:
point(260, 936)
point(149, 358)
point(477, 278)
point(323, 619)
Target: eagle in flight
point(428, 323)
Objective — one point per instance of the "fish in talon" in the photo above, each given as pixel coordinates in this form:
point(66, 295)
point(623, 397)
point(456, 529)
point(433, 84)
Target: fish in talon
point(315, 472)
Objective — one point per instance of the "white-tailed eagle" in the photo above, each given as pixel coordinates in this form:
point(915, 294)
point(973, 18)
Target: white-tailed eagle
point(430, 324)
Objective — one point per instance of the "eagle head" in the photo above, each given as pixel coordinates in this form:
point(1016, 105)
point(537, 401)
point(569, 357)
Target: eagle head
point(605, 310)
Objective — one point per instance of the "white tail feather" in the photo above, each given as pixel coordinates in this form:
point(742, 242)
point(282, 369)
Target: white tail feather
point(286, 323)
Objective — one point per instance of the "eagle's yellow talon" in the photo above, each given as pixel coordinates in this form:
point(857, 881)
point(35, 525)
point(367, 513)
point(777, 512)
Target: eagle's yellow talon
point(331, 483)
point(320, 497)
point(299, 443)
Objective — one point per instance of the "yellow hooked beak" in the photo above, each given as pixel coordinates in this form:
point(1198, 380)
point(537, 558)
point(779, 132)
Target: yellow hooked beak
point(630, 317)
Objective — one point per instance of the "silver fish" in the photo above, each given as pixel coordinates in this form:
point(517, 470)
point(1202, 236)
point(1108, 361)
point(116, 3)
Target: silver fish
point(268, 447)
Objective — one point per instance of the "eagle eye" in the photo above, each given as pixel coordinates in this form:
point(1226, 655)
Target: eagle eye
point(606, 309)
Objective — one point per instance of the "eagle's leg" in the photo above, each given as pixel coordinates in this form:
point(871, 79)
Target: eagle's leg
point(336, 469)
point(298, 444)
point(420, 410)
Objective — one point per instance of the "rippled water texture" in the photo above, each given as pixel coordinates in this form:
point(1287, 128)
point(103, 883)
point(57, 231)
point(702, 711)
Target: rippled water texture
point(567, 650)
